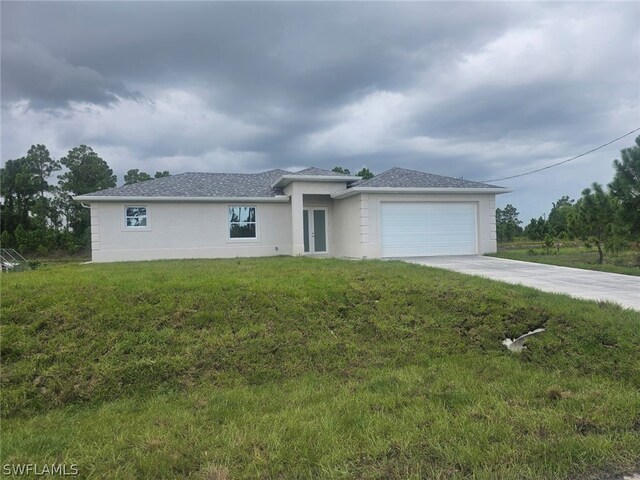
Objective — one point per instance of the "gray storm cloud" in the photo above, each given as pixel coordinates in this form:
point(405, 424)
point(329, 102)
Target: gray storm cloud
point(30, 72)
point(479, 90)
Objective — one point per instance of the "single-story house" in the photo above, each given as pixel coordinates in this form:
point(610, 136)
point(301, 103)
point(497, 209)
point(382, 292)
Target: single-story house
point(398, 213)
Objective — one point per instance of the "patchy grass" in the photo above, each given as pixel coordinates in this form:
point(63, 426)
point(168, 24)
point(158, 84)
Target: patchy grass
point(56, 258)
point(303, 368)
point(627, 262)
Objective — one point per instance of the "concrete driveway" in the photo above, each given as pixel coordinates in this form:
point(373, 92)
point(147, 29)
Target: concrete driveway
point(587, 284)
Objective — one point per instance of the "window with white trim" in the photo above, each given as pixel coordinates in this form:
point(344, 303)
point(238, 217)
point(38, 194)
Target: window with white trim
point(242, 222)
point(136, 217)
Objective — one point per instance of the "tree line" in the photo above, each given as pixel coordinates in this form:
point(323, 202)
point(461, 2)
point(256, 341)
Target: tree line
point(38, 213)
point(605, 217)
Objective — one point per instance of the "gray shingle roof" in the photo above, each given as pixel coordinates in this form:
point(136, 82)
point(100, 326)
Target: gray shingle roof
point(232, 185)
point(404, 178)
point(194, 184)
point(319, 171)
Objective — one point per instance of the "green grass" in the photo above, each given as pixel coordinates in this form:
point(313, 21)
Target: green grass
point(627, 262)
point(303, 368)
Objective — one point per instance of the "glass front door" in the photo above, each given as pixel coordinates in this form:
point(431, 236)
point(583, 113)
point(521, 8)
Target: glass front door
point(315, 230)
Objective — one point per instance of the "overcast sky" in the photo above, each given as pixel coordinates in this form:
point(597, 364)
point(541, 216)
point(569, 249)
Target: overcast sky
point(479, 90)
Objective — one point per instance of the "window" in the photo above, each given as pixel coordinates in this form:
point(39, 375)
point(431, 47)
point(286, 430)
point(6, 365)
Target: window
point(242, 222)
point(136, 217)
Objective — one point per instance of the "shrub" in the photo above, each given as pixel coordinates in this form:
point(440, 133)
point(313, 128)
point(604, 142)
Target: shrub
point(548, 243)
point(615, 244)
point(34, 264)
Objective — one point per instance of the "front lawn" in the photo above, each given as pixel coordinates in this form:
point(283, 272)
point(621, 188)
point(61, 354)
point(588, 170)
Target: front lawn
point(305, 368)
point(626, 262)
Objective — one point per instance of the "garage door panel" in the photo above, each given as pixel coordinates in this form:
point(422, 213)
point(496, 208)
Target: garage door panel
point(428, 228)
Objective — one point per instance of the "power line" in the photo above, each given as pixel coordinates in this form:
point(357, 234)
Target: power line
point(563, 161)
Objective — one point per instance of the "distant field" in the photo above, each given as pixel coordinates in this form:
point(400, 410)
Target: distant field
point(304, 368)
point(571, 255)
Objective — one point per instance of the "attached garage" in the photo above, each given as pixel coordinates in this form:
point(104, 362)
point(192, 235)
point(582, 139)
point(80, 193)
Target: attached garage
point(415, 229)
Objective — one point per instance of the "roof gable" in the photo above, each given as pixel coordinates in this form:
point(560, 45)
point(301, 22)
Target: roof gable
point(314, 175)
point(319, 172)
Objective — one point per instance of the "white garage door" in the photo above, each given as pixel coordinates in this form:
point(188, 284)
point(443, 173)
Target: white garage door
point(428, 228)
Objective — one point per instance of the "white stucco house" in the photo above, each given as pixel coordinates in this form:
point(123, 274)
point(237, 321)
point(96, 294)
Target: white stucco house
point(398, 213)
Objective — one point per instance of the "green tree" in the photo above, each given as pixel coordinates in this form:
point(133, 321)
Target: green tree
point(625, 186)
point(24, 239)
point(594, 219)
point(62, 203)
point(40, 165)
point(559, 216)
point(341, 170)
point(365, 173)
point(537, 229)
point(87, 173)
point(135, 176)
point(507, 223)
point(25, 189)
point(18, 192)
point(547, 242)
point(164, 173)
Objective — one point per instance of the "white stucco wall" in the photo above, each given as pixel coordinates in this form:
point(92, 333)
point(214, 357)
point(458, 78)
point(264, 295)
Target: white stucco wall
point(186, 230)
point(346, 239)
point(200, 229)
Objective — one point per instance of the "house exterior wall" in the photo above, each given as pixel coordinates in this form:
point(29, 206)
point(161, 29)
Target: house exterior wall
point(370, 217)
point(346, 240)
point(186, 230)
point(314, 188)
point(201, 229)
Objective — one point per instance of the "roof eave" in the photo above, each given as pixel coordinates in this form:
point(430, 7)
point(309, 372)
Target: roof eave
point(285, 180)
point(132, 198)
point(355, 190)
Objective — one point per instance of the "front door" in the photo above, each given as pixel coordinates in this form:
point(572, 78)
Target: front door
point(314, 222)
